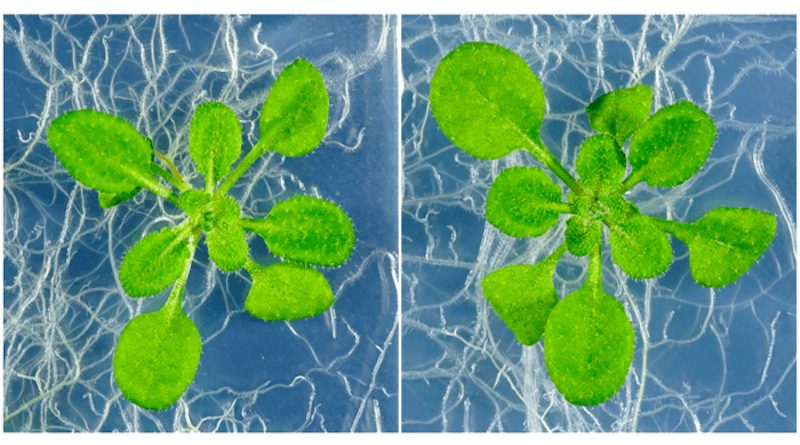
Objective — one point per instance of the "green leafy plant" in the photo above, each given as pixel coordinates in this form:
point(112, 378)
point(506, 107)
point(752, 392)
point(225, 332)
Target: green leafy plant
point(158, 353)
point(488, 102)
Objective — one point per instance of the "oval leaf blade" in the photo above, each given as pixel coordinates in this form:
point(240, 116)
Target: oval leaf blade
point(724, 243)
point(672, 145)
point(156, 358)
point(621, 112)
point(154, 262)
point(582, 235)
point(227, 245)
point(287, 291)
point(640, 249)
point(588, 346)
point(295, 115)
point(306, 229)
point(523, 201)
point(215, 140)
point(523, 296)
point(487, 100)
point(100, 151)
point(600, 165)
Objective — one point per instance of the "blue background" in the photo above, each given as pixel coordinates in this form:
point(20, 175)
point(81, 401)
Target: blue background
point(63, 307)
point(705, 359)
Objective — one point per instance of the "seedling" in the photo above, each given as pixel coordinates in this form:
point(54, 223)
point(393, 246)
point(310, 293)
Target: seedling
point(488, 102)
point(157, 355)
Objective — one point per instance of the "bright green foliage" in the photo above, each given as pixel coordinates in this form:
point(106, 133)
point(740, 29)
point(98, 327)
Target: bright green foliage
point(672, 145)
point(523, 201)
point(582, 235)
point(588, 346)
point(287, 291)
point(295, 115)
point(155, 262)
point(523, 296)
point(640, 249)
point(215, 141)
point(157, 357)
point(621, 112)
point(100, 151)
point(600, 165)
point(724, 243)
point(306, 229)
point(158, 353)
point(488, 102)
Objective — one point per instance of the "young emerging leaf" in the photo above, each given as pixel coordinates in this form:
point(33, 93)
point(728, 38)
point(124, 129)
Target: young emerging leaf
point(227, 245)
point(108, 200)
point(621, 112)
point(154, 262)
point(600, 165)
point(100, 151)
point(523, 201)
point(588, 346)
point(215, 141)
point(724, 243)
point(295, 115)
point(306, 229)
point(523, 296)
point(287, 291)
point(582, 235)
point(672, 145)
point(157, 357)
point(639, 248)
point(487, 100)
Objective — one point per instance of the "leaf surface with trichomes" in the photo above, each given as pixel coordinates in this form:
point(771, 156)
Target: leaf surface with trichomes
point(287, 291)
point(523, 201)
point(154, 262)
point(620, 112)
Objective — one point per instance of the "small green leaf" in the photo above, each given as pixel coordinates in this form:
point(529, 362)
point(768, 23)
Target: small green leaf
point(295, 115)
point(523, 296)
point(215, 140)
point(600, 165)
point(306, 229)
point(487, 100)
point(108, 200)
point(672, 145)
point(157, 357)
point(154, 262)
point(588, 346)
point(724, 243)
point(227, 245)
point(524, 201)
point(195, 202)
point(582, 235)
point(621, 112)
point(640, 249)
point(287, 291)
point(100, 151)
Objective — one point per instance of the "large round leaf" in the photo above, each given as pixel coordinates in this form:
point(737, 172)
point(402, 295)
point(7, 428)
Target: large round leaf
point(287, 291)
point(157, 357)
point(588, 346)
point(487, 100)
point(523, 201)
point(672, 145)
point(101, 151)
point(295, 115)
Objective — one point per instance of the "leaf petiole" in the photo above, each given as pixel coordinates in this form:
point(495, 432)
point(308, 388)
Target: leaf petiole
point(540, 152)
point(248, 160)
point(172, 177)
